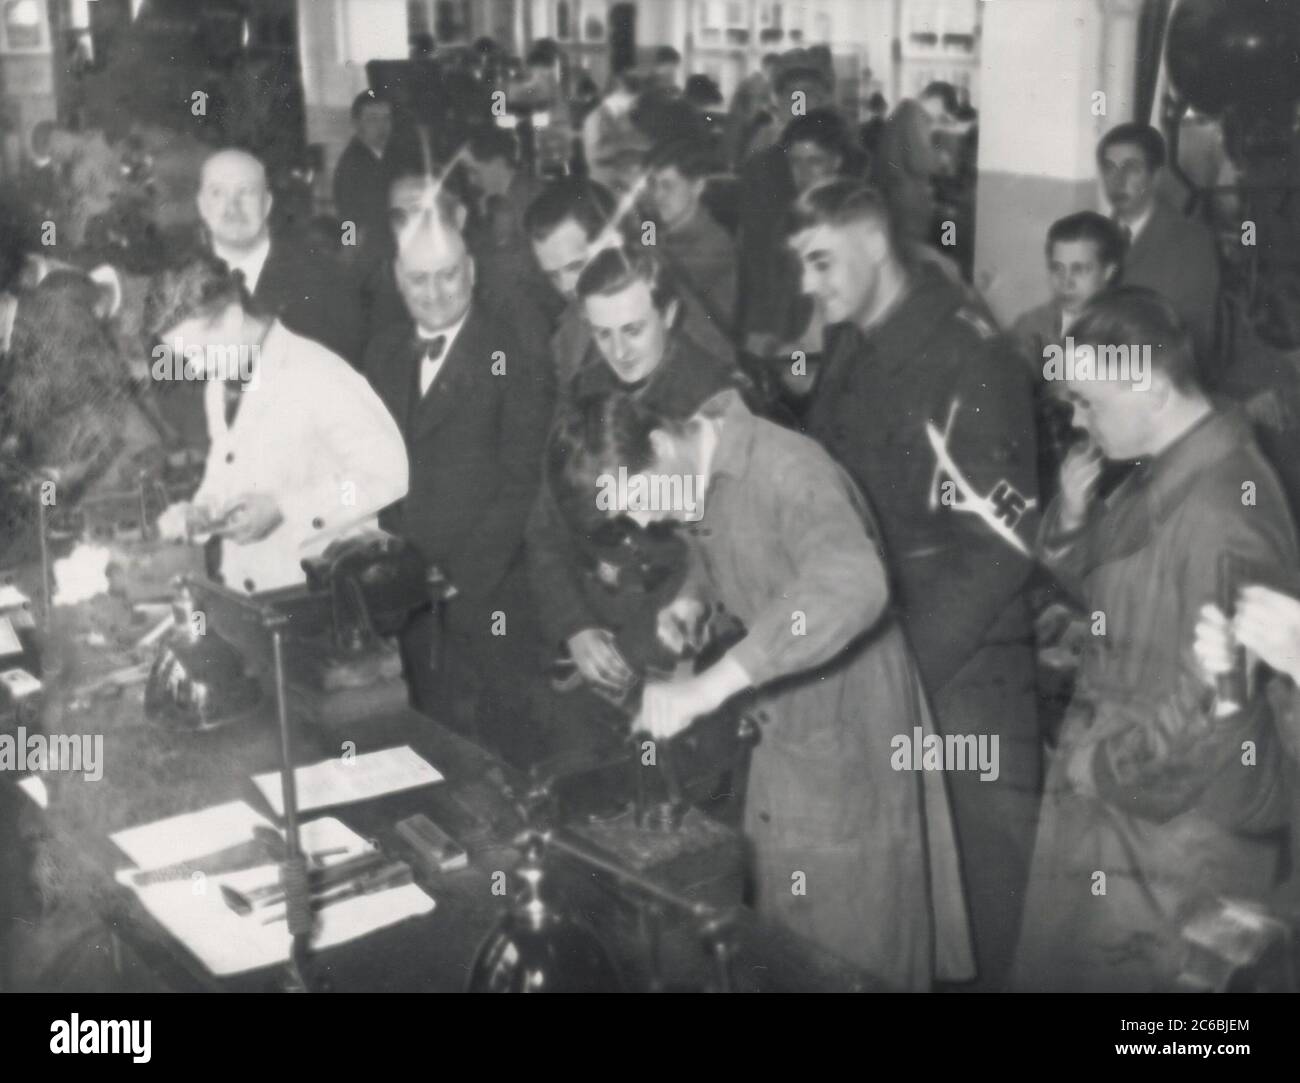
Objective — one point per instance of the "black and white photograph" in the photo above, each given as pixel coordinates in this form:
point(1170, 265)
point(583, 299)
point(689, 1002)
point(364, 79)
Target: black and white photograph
point(667, 496)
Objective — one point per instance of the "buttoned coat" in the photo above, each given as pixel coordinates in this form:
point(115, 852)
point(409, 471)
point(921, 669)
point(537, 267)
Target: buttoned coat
point(1148, 788)
point(851, 853)
point(312, 433)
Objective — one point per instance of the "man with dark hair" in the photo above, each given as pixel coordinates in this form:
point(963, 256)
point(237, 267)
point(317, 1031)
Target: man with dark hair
point(779, 529)
point(1085, 253)
point(771, 312)
point(301, 450)
point(363, 173)
point(597, 596)
point(1151, 809)
point(698, 251)
point(921, 403)
point(1172, 254)
point(569, 222)
point(939, 99)
point(667, 66)
point(473, 399)
point(502, 189)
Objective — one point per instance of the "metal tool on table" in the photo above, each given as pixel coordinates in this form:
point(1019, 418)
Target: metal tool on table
point(358, 875)
point(264, 848)
point(293, 869)
point(658, 784)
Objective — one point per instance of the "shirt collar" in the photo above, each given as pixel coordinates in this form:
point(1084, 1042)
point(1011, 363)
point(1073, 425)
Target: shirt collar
point(449, 333)
point(1137, 225)
point(250, 263)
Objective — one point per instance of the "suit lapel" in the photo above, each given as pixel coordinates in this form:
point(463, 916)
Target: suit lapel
point(1150, 239)
point(447, 394)
point(270, 295)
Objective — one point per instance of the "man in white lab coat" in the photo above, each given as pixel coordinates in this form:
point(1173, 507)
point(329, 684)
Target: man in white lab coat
point(302, 451)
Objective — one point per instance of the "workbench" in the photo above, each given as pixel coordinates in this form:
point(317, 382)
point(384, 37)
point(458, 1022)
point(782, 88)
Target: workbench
point(151, 772)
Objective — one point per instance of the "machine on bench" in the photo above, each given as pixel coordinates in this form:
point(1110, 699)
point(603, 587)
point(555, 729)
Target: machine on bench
point(341, 664)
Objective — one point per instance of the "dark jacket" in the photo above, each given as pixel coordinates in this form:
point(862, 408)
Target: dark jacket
point(361, 183)
point(1176, 257)
point(960, 584)
point(905, 168)
point(474, 442)
point(578, 580)
point(1147, 785)
point(770, 300)
point(313, 296)
point(703, 257)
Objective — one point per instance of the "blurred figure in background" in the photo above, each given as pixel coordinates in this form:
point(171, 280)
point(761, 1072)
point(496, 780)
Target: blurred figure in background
point(697, 250)
point(609, 128)
point(907, 162)
point(363, 173)
point(754, 105)
point(776, 316)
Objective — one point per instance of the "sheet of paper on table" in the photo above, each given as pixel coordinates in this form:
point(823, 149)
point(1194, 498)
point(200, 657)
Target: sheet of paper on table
point(226, 943)
point(341, 782)
point(9, 641)
point(12, 598)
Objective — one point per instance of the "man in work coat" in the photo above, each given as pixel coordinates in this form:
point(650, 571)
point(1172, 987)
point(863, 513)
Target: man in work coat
point(1157, 803)
point(849, 852)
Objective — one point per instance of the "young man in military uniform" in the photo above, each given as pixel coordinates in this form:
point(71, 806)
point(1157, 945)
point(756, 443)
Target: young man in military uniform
point(923, 403)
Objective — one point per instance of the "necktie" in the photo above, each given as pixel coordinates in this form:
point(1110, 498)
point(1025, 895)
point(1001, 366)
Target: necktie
point(1126, 231)
point(430, 360)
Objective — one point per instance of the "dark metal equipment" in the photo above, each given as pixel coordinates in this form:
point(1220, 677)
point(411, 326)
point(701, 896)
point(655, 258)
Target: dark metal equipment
point(1234, 61)
point(536, 948)
point(339, 663)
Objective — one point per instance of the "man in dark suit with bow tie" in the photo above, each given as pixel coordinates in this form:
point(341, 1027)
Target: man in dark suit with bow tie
point(474, 399)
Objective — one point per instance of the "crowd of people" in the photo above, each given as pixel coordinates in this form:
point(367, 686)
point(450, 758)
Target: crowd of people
point(879, 486)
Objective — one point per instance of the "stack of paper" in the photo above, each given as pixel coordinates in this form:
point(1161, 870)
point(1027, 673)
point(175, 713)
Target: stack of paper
point(193, 911)
point(358, 778)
